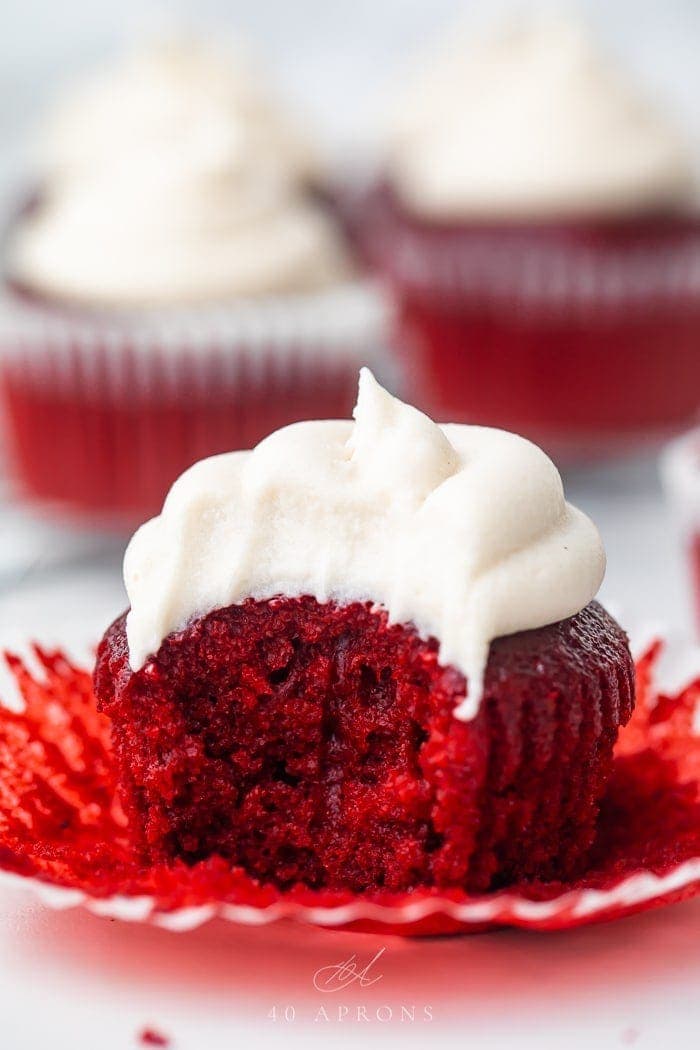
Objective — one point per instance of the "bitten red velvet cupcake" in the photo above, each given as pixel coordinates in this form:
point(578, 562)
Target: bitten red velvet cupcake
point(367, 655)
point(538, 228)
point(177, 288)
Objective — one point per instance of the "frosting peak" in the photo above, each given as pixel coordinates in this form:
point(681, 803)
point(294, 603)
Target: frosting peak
point(462, 531)
point(385, 429)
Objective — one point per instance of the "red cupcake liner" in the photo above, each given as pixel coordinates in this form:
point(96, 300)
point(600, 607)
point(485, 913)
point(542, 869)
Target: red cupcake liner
point(103, 414)
point(558, 263)
point(581, 335)
point(63, 833)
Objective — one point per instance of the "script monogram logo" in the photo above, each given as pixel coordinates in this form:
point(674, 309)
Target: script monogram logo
point(337, 976)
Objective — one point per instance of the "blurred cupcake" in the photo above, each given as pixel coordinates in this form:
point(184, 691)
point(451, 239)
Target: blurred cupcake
point(535, 224)
point(680, 473)
point(175, 287)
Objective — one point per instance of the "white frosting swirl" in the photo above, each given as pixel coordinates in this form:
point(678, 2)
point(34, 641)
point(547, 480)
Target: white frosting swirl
point(170, 178)
point(529, 122)
point(462, 531)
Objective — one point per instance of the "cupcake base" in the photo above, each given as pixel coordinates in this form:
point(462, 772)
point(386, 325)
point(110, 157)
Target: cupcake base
point(104, 412)
point(580, 387)
point(317, 744)
point(63, 833)
point(75, 445)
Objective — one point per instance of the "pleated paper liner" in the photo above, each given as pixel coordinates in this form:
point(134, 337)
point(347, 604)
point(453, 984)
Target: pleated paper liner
point(104, 412)
point(63, 833)
point(581, 334)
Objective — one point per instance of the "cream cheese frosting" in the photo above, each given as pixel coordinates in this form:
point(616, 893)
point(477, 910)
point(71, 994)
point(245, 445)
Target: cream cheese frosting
point(533, 120)
point(462, 531)
point(170, 178)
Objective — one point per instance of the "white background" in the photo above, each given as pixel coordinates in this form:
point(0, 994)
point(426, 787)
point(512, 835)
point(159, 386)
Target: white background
point(74, 982)
point(71, 981)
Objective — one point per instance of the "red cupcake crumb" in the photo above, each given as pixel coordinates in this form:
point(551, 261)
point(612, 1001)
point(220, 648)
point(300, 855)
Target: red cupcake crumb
point(151, 1037)
point(317, 745)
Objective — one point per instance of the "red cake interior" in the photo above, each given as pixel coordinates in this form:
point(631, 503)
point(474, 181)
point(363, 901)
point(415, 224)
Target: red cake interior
point(317, 744)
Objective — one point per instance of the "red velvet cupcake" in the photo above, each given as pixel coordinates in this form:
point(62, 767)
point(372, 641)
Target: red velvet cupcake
point(536, 228)
point(177, 288)
point(367, 656)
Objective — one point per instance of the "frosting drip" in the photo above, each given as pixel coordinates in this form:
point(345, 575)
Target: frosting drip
point(462, 531)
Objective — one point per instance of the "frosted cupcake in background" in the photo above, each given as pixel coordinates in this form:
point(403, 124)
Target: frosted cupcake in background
point(535, 223)
point(176, 287)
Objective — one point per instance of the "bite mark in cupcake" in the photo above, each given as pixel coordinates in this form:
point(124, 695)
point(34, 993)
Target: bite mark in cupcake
point(462, 531)
point(366, 656)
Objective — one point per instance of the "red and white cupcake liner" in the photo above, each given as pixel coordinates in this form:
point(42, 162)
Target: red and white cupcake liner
point(62, 831)
point(580, 335)
point(103, 413)
point(558, 265)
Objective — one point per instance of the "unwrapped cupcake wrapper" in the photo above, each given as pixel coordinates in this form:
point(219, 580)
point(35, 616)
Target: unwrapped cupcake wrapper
point(105, 413)
point(63, 834)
